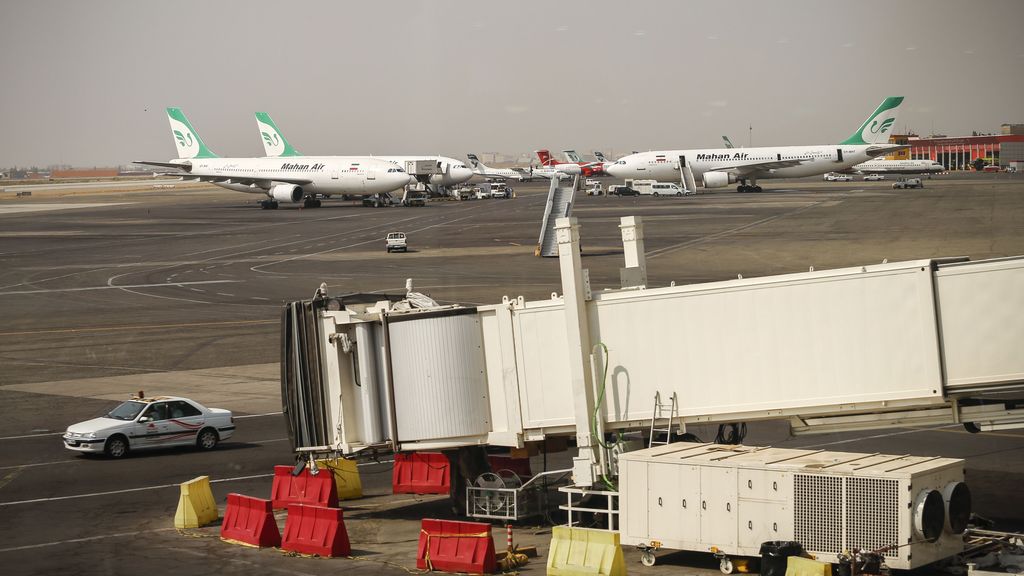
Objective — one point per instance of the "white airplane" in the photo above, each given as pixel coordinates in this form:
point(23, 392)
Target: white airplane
point(451, 171)
point(719, 167)
point(281, 181)
point(881, 166)
point(487, 172)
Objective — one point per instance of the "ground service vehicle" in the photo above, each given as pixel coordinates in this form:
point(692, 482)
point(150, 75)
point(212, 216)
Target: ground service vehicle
point(143, 423)
point(655, 188)
point(903, 183)
point(500, 190)
point(874, 177)
point(396, 241)
point(831, 177)
point(621, 190)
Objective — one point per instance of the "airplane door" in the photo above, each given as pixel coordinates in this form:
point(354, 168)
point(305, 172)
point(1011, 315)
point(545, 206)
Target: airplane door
point(334, 174)
point(371, 174)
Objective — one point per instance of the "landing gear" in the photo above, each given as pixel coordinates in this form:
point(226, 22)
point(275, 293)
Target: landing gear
point(743, 187)
point(268, 204)
point(310, 202)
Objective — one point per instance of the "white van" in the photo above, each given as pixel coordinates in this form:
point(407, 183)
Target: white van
point(655, 188)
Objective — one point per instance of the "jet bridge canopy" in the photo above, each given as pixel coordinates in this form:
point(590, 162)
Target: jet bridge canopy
point(922, 341)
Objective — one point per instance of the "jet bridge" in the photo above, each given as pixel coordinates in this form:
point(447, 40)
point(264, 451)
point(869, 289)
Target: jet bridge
point(891, 344)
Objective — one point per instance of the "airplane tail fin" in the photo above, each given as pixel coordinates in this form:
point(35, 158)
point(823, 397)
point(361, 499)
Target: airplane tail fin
point(475, 162)
point(600, 156)
point(571, 156)
point(728, 143)
point(186, 139)
point(544, 156)
point(274, 143)
point(877, 128)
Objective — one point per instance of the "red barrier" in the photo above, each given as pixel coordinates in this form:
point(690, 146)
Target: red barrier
point(315, 530)
point(451, 546)
point(521, 466)
point(250, 521)
point(305, 488)
point(421, 473)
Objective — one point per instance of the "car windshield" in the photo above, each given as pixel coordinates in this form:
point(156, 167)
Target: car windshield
point(126, 411)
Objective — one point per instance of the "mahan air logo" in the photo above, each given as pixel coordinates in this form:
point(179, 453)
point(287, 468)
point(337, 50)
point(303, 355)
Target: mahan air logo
point(271, 140)
point(883, 127)
point(184, 140)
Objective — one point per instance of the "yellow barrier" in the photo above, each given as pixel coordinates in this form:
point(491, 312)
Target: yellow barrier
point(346, 477)
point(799, 566)
point(196, 505)
point(585, 552)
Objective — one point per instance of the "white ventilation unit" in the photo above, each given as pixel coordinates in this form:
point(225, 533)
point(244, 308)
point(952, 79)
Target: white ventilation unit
point(684, 496)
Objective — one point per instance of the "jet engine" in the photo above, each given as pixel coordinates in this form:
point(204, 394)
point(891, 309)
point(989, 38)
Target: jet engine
point(286, 193)
point(718, 179)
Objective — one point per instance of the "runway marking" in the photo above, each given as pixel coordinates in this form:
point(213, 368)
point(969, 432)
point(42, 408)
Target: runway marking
point(724, 233)
point(145, 488)
point(116, 287)
point(86, 539)
point(42, 434)
point(126, 490)
point(142, 327)
point(258, 415)
point(23, 208)
point(29, 436)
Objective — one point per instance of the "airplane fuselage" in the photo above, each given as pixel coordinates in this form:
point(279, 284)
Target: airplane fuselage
point(899, 167)
point(354, 175)
point(664, 164)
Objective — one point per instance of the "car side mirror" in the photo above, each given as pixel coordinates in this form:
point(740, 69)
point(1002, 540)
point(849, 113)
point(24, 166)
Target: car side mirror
point(146, 419)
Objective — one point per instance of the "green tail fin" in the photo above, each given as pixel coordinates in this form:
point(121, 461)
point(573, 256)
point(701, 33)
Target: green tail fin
point(274, 143)
point(877, 128)
point(187, 140)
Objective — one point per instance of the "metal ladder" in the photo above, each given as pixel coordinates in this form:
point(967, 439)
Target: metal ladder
point(686, 175)
point(659, 414)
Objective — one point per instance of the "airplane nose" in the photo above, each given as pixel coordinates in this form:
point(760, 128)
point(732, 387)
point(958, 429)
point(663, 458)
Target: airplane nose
point(613, 170)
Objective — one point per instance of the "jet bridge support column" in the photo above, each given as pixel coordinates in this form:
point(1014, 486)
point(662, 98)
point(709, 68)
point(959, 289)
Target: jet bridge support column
point(575, 291)
point(634, 275)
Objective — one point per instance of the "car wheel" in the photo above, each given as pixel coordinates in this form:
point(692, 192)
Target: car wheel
point(655, 194)
point(116, 446)
point(207, 439)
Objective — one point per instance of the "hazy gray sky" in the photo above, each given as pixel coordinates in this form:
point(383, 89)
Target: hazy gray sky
point(85, 83)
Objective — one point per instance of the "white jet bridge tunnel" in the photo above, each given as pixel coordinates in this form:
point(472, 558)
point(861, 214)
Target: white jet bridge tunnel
point(892, 344)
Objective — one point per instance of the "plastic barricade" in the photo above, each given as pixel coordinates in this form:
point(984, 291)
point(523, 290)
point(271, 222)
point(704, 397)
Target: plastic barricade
point(800, 566)
point(583, 551)
point(196, 506)
point(421, 473)
point(250, 521)
point(306, 488)
point(346, 477)
point(450, 546)
point(315, 530)
point(521, 466)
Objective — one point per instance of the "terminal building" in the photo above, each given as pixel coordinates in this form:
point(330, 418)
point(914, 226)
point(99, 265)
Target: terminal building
point(957, 153)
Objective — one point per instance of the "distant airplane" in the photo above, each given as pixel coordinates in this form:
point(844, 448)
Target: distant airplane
point(719, 167)
point(290, 182)
point(728, 144)
point(487, 172)
point(451, 171)
point(881, 166)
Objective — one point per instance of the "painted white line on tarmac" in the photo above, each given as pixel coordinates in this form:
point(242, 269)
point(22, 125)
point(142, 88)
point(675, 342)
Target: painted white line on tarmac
point(117, 287)
point(253, 415)
point(32, 436)
point(126, 490)
point(87, 539)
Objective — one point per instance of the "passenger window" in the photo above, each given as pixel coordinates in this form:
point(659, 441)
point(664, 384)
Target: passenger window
point(157, 411)
point(182, 409)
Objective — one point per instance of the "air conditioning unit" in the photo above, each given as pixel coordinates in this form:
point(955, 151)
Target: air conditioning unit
point(730, 499)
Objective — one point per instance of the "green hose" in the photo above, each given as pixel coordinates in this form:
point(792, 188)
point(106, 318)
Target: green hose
point(597, 410)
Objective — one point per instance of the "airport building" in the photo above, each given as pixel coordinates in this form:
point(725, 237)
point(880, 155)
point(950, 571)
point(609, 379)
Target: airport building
point(957, 153)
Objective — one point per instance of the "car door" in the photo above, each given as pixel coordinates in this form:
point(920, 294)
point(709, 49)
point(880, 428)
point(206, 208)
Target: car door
point(184, 422)
point(149, 426)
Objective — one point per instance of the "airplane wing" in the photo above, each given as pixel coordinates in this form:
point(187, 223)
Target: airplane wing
point(263, 183)
point(180, 165)
point(743, 169)
point(879, 150)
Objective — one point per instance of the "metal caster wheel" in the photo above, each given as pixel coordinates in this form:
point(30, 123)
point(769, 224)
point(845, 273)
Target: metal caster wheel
point(647, 558)
point(725, 566)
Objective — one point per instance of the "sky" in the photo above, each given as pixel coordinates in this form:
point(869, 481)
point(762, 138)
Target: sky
point(86, 83)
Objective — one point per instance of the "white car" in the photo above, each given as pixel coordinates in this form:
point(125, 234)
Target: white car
point(838, 177)
point(874, 177)
point(143, 423)
point(396, 241)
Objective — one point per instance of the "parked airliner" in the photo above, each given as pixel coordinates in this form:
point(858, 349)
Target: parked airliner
point(719, 167)
point(290, 181)
point(881, 166)
point(451, 172)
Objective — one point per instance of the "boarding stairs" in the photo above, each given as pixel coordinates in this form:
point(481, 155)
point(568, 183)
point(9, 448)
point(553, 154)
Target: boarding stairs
point(686, 175)
point(559, 205)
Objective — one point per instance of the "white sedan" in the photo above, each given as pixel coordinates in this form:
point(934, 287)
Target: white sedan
point(143, 423)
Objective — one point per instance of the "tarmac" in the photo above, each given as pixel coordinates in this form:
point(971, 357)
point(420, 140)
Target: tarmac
point(104, 292)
